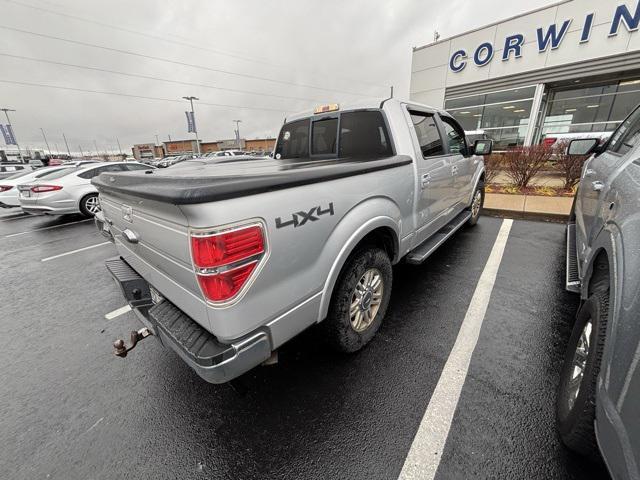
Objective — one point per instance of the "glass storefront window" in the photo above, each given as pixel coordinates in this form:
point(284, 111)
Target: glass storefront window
point(591, 109)
point(502, 116)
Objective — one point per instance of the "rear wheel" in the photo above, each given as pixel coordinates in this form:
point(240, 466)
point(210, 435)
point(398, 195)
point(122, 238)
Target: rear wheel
point(576, 401)
point(360, 300)
point(476, 205)
point(89, 205)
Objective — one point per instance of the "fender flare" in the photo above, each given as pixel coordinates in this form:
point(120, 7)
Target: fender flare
point(347, 249)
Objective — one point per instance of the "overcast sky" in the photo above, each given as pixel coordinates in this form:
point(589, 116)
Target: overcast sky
point(345, 48)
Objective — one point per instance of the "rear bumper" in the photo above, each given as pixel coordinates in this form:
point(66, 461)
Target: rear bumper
point(215, 362)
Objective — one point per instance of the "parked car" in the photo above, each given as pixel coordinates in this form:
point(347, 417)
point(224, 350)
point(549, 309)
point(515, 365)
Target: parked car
point(9, 169)
point(69, 190)
point(598, 405)
point(550, 139)
point(9, 185)
point(225, 262)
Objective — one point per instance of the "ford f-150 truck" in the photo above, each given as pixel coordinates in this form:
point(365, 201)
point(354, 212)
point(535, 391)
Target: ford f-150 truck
point(226, 260)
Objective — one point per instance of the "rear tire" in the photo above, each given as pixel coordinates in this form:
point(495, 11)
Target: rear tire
point(89, 205)
point(360, 300)
point(576, 400)
point(477, 202)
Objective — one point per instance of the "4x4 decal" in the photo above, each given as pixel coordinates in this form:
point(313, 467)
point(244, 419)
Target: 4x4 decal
point(298, 219)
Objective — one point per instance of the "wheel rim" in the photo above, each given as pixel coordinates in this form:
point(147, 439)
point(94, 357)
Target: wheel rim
point(476, 204)
point(92, 205)
point(579, 364)
point(366, 300)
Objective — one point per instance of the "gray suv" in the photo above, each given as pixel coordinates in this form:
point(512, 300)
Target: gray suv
point(598, 405)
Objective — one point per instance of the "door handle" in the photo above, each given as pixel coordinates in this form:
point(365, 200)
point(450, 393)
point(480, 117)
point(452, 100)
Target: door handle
point(589, 172)
point(425, 179)
point(597, 186)
point(454, 169)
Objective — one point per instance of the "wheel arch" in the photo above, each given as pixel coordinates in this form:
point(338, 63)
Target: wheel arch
point(382, 230)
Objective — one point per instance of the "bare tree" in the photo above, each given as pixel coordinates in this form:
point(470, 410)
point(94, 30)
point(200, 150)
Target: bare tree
point(569, 165)
point(521, 164)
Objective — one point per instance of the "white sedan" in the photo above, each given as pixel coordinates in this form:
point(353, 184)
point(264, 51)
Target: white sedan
point(70, 190)
point(9, 185)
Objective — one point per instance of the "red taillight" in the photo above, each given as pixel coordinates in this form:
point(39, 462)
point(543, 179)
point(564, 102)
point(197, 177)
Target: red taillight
point(5, 188)
point(224, 286)
point(45, 188)
point(226, 248)
point(547, 142)
point(225, 261)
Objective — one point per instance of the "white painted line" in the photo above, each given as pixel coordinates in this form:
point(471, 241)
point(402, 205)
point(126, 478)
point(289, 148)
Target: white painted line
point(74, 251)
point(117, 312)
point(425, 453)
point(47, 228)
point(94, 425)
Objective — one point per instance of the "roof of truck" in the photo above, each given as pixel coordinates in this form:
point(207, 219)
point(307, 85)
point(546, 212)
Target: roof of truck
point(373, 102)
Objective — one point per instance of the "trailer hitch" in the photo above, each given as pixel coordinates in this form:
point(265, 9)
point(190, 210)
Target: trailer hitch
point(121, 349)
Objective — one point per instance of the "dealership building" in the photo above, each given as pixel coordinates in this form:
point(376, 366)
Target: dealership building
point(571, 67)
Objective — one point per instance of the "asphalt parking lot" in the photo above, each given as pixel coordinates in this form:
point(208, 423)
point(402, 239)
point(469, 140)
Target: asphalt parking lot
point(70, 409)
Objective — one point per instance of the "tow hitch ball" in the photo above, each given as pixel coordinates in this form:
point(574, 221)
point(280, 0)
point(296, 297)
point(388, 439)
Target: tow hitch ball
point(121, 350)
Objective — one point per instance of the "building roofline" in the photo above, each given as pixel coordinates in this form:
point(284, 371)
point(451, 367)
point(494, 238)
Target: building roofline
point(493, 24)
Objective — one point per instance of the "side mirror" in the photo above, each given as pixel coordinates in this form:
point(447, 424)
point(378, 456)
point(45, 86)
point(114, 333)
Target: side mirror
point(483, 147)
point(582, 146)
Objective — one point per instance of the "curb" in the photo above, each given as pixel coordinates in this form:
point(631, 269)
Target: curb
point(520, 215)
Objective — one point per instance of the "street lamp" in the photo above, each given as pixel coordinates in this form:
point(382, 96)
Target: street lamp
point(6, 113)
point(193, 116)
point(238, 122)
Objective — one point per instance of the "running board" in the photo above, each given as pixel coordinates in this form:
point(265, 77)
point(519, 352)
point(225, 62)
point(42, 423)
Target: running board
point(572, 277)
point(422, 251)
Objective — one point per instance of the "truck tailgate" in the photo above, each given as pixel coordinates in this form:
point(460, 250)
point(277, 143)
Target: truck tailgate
point(162, 253)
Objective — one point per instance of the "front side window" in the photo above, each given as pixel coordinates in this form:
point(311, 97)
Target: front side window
point(427, 133)
point(454, 136)
point(627, 135)
point(135, 166)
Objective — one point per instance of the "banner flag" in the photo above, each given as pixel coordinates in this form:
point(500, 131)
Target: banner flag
point(191, 122)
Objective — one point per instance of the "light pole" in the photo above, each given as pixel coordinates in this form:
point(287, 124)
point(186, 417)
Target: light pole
point(67, 144)
point(81, 152)
point(119, 147)
point(95, 144)
point(45, 141)
point(6, 113)
point(193, 116)
point(237, 130)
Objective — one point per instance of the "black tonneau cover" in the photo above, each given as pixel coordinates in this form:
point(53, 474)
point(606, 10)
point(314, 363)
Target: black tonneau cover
point(202, 180)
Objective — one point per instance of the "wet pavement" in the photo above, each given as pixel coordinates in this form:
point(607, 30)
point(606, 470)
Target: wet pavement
point(70, 409)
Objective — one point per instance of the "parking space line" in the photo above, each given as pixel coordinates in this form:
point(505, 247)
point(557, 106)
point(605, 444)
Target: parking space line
point(74, 251)
point(47, 228)
point(427, 447)
point(117, 312)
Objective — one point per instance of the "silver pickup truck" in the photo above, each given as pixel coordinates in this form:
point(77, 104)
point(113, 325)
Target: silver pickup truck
point(225, 260)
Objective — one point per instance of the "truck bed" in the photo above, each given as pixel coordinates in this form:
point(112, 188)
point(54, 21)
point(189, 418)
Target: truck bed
point(201, 181)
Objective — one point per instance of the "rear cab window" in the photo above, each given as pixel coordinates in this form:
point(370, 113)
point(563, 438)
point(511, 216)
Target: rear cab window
point(356, 134)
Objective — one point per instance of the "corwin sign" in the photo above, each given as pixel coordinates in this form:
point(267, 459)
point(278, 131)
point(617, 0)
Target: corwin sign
point(547, 37)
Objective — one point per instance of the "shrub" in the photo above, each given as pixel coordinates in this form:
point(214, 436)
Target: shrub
point(521, 164)
point(492, 166)
point(570, 166)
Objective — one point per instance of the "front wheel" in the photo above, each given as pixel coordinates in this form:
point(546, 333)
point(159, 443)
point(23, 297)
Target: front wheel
point(576, 401)
point(89, 205)
point(360, 300)
point(476, 205)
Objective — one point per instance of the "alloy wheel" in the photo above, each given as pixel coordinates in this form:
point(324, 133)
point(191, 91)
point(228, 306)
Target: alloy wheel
point(579, 364)
point(366, 300)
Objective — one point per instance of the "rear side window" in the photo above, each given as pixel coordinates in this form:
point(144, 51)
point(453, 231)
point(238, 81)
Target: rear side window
point(428, 134)
point(364, 135)
point(324, 137)
point(135, 166)
point(293, 141)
